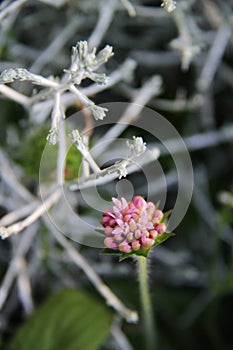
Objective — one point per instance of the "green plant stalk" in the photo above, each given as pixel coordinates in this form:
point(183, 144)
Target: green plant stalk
point(147, 311)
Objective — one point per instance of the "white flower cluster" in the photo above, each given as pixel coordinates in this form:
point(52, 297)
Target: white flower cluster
point(137, 147)
point(85, 63)
point(169, 5)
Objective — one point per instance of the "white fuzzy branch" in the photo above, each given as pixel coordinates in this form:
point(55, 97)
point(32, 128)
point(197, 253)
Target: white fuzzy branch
point(149, 89)
point(38, 212)
point(106, 13)
point(77, 140)
point(101, 287)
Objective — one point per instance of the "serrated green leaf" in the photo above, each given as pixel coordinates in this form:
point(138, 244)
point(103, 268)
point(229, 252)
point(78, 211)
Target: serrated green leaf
point(69, 320)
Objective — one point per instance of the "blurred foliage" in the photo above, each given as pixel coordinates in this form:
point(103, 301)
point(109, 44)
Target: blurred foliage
point(191, 276)
point(68, 320)
point(30, 151)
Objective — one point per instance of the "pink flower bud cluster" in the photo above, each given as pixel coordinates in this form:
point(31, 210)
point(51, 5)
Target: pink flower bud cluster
point(132, 226)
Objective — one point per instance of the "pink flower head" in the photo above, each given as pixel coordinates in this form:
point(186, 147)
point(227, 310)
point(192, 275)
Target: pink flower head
point(133, 225)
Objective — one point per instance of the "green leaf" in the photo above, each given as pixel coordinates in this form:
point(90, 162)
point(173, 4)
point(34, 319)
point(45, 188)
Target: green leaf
point(162, 238)
point(30, 150)
point(139, 252)
point(69, 320)
point(73, 162)
point(166, 215)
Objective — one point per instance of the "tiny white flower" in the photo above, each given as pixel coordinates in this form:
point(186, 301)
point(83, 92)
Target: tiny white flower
point(84, 63)
point(169, 5)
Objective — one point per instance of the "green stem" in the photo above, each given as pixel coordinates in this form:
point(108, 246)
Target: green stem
point(147, 311)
